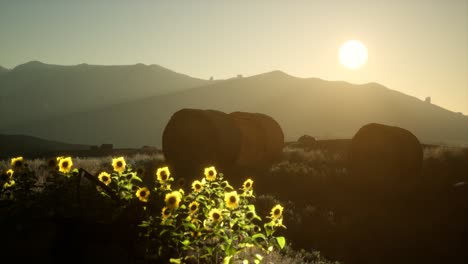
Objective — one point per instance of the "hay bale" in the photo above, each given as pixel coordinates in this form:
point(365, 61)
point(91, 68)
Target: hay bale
point(197, 138)
point(262, 139)
point(385, 161)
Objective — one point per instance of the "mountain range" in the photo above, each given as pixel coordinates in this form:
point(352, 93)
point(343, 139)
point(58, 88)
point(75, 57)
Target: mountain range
point(129, 106)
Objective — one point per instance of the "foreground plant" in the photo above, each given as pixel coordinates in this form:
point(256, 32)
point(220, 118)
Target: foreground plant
point(212, 224)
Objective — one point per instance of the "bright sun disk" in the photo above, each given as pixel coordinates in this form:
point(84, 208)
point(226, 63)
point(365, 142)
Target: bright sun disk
point(353, 54)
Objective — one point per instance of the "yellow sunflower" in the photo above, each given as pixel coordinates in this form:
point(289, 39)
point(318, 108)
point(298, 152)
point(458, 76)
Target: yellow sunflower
point(247, 184)
point(105, 178)
point(9, 184)
point(197, 186)
point(173, 199)
point(10, 173)
point(143, 194)
point(231, 199)
point(210, 173)
point(119, 164)
point(215, 215)
point(65, 165)
point(17, 162)
point(193, 207)
point(162, 174)
point(276, 211)
point(166, 212)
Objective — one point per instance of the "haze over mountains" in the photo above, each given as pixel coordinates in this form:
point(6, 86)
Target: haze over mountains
point(129, 106)
point(37, 91)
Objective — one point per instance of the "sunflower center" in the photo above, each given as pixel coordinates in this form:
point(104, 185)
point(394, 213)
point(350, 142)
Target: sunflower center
point(232, 199)
point(166, 212)
point(276, 212)
point(193, 207)
point(216, 216)
point(171, 200)
point(65, 164)
point(211, 173)
point(143, 193)
point(119, 164)
point(247, 185)
point(105, 178)
point(197, 186)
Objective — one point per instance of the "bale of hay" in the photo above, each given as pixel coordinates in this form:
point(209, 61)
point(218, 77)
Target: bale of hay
point(199, 138)
point(385, 161)
point(262, 139)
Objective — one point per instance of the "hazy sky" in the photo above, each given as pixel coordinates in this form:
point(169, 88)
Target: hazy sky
point(417, 47)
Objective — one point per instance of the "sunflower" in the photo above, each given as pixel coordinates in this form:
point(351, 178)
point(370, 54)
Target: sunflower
point(231, 199)
point(173, 199)
point(210, 173)
point(10, 173)
point(193, 207)
point(17, 162)
point(166, 212)
point(215, 215)
point(119, 164)
point(143, 194)
point(9, 184)
point(162, 174)
point(247, 184)
point(65, 165)
point(105, 178)
point(276, 211)
point(197, 186)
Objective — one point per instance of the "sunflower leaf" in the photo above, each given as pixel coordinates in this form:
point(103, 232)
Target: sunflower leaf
point(281, 242)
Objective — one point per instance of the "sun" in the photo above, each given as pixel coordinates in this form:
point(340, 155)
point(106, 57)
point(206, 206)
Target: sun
point(353, 54)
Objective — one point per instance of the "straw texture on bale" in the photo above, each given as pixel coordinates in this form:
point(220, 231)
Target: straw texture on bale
point(201, 138)
point(262, 139)
point(197, 138)
point(384, 160)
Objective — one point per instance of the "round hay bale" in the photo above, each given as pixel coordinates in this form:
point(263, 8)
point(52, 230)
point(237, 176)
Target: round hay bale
point(262, 139)
point(384, 160)
point(199, 138)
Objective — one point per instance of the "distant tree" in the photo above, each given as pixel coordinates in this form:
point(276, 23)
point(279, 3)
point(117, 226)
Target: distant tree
point(428, 99)
point(211, 78)
point(239, 75)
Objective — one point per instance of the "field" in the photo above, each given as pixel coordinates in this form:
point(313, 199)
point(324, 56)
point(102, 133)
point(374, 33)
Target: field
point(63, 215)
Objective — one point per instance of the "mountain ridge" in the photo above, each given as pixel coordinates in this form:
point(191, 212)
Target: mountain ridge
point(324, 109)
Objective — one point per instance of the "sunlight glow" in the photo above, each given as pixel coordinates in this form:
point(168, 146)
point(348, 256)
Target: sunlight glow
point(353, 54)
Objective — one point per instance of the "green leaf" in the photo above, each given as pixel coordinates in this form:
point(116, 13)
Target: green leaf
point(191, 226)
point(172, 260)
point(137, 178)
point(227, 260)
point(281, 242)
point(262, 236)
point(186, 242)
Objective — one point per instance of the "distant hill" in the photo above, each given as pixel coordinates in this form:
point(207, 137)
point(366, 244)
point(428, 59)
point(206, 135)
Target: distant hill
point(38, 91)
point(323, 109)
point(13, 145)
point(3, 70)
